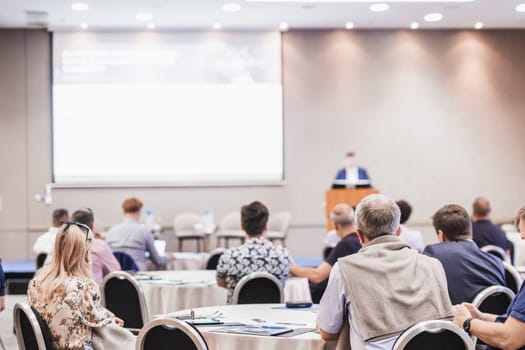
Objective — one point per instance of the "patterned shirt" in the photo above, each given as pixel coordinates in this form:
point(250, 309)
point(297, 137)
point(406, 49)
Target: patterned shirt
point(72, 313)
point(256, 255)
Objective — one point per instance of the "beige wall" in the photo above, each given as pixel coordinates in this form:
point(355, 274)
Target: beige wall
point(435, 116)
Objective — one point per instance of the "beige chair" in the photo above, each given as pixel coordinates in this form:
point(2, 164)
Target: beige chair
point(185, 227)
point(230, 228)
point(278, 226)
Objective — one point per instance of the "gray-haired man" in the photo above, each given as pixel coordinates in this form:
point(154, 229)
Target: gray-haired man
point(385, 287)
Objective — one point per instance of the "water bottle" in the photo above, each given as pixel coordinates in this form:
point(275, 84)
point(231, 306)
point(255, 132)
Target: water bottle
point(150, 221)
point(207, 220)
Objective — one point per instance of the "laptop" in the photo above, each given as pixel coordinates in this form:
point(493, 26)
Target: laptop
point(160, 246)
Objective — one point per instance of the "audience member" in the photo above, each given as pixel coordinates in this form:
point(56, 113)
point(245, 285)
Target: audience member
point(133, 238)
point(484, 232)
point(343, 218)
point(351, 174)
point(66, 296)
point(46, 242)
point(412, 237)
point(499, 332)
point(385, 287)
point(468, 269)
point(102, 259)
point(255, 255)
point(2, 288)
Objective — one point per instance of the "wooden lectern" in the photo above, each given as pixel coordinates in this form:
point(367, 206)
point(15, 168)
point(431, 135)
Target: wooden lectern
point(350, 196)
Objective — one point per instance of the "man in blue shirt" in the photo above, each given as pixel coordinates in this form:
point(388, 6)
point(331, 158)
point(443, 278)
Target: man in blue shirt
point(499, 332)
point(343, 218)
point(351, 174)
point(468, 269)
point(2, 288)
point(484, 232)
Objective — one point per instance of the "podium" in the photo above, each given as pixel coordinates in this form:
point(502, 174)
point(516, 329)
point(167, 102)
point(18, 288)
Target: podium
point(350, 196)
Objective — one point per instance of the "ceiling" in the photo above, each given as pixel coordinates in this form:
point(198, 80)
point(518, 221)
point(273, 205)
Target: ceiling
point(256, 15)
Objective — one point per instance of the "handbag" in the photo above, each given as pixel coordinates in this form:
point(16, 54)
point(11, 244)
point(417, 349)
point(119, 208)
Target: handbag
point(111, 337)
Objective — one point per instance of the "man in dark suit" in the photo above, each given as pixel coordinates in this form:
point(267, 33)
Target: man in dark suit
point(351, 174)
point(468, 269)
point(484, 232)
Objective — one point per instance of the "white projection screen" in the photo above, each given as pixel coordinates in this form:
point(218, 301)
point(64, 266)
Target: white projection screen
point(167, 109)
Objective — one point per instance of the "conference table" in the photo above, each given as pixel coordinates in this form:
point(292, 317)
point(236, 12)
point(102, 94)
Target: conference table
point(168, 291)
point(303, 321)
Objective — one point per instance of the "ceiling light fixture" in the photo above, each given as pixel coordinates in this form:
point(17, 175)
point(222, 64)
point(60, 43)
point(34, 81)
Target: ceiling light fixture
point(150, 25)
point(283, 26)
point(217, 26)
point(414, 25)
point(478, 25)
point(79, 6)
point(349, 25)
point(144, 16)
point(433, 17)
point(231, 7)
point(83, 25)
point(360, 1)
point(381, 7)
point(520, 7)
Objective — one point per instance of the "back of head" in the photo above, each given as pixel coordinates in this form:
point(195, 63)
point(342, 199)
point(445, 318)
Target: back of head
point(70, 257)
point(342, 215)
point(84, 216)
point(406, 210)
point(376, 215)
point(453, 220)
point(481, 207)
point(132, 205)
point(254, 217)
point(59, 216)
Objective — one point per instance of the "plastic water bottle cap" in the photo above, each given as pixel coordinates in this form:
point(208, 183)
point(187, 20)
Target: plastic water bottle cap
point(149, 212)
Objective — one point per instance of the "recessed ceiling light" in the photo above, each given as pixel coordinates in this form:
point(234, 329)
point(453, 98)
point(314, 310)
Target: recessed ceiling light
point(283, 26)
point(358, 1)
point(379, 7)
point(144, 16)
point(520, 8)
point(478, 25)
point(349, 25)
point(150, 25)
point(217, 26)
point(433, 17)
point(414, 25)
point(83, 25)
point(79, 6)
point(231, 7)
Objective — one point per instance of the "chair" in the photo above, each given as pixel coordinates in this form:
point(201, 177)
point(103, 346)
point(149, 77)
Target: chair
point(126, 261)
point(494, 300)
point(434, 335)
point(123, 295)
point(213, 259)
point(40, 260)
point(258, 288)
point(496, 251)
point(230, 228)
point(32, 332)
point(278, 226)
point(184, 227)
point(512, 277)
point(164, 333)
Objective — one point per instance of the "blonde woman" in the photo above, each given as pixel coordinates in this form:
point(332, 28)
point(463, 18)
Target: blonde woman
point(66, 295)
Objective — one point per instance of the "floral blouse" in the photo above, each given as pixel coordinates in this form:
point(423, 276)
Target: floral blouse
point(74, 310)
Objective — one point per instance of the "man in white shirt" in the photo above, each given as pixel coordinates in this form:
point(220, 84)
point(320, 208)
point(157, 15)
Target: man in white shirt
point(412, 237)
point(45, 243)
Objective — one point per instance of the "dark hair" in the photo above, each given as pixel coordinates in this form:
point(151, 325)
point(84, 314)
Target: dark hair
point(59, 216)
point(254, 217)
point(481, 207)
point(454, 221)
point(84, 216)
point(131, 205)
point(406, 210)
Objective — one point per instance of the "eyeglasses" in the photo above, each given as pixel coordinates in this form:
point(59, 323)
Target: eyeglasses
point(83, 227)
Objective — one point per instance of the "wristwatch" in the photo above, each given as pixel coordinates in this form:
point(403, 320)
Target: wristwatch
point(466, 325)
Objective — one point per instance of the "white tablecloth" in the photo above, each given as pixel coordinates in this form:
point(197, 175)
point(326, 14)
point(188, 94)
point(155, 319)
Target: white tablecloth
point(271, 314)
point(178, 290)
